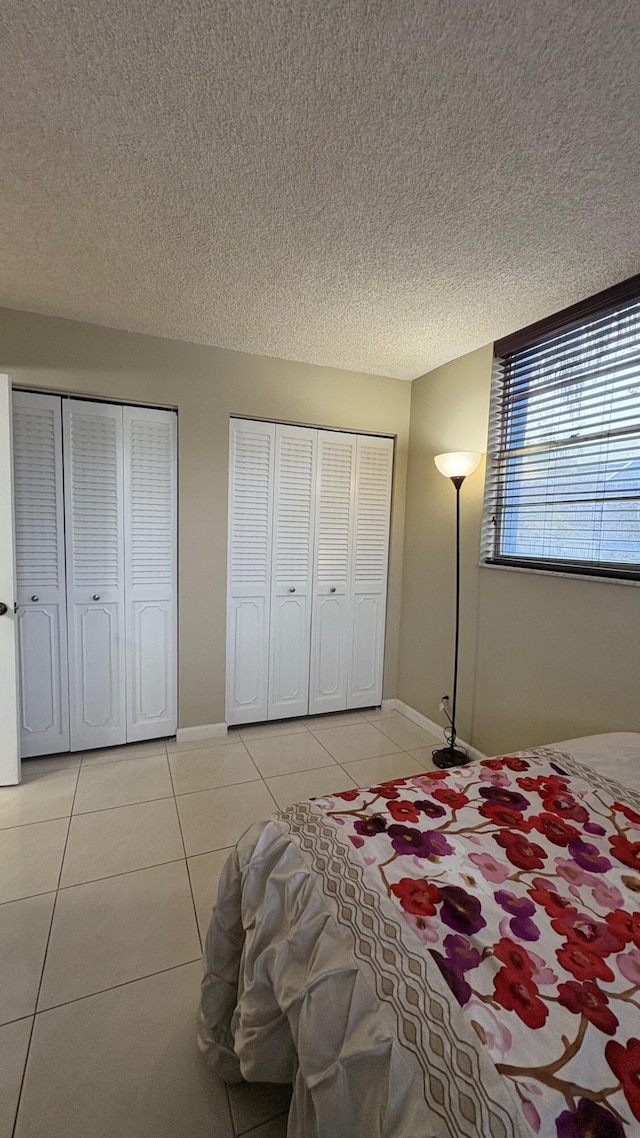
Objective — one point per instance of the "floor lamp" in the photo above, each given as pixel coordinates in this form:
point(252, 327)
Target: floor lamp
point(455, 466)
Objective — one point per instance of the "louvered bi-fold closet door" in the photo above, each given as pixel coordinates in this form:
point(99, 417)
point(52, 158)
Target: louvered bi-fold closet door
point(40, 573)
point(331, 615)
point(93, 465)
point(150, 537)
point(369, 567)
point(292, 570)
point(252, 446)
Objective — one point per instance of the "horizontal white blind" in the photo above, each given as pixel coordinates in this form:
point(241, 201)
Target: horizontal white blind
point(563, 470)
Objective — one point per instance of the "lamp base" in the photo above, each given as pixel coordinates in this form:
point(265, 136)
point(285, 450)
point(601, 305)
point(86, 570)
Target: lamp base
point(445, 757)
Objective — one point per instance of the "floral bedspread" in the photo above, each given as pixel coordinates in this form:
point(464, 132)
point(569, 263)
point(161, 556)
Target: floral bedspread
point(520, 876)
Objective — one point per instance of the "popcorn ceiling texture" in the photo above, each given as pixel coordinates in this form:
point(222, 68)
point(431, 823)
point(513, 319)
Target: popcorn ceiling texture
point(379, 185)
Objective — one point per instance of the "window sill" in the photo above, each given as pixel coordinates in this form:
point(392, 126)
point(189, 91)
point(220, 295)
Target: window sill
point(557, 573)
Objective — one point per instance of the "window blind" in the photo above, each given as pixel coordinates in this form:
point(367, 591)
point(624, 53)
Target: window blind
point(563, 461)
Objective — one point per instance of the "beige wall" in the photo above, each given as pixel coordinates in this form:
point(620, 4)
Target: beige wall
point(542, 657)
point(207, 385)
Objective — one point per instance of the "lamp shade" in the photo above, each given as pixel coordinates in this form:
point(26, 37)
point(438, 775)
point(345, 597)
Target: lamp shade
point(459, 463)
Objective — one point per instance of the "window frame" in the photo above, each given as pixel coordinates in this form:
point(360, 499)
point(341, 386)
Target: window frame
point(499, 424)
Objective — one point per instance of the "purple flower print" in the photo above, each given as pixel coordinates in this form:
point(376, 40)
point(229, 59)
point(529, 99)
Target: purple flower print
point(369, 827)
point(594, 828)
point(590, 1120)
point(494, 1034)
point(455, 979)
point(588, 856)
point(407, 840)
point(502, 797)
point(461, 953)
point(431, 809)
point(517, 906)
point(460, 911)
point(521, 910)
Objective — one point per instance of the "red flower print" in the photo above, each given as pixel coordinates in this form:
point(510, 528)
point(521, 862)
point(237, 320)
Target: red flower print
point(625, 851)
point(625, 925)
point(504, 816)
point(515, 764)
point(348, 795)
point(515, 957)
point(385, 790)
point(625, 1064)
point(403, 811)
point(542, 784)
point(631, 815)
point(562, 803)
point(589, 1000)
point(553, 828)
point(520, 851)
point(493, 764)
point(519, 994)
point(595, 935)
point(582, 963)
point(553, 904)
point(453, 798)
point(416, 895)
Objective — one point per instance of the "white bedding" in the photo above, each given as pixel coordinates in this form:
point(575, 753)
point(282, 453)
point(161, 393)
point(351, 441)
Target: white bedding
point(291, 995)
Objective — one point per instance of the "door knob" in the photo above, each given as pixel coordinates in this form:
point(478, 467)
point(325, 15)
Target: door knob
point(291, 589)
point(96, 596)
point(3, 608)
point(35, 599)
point(332, 589)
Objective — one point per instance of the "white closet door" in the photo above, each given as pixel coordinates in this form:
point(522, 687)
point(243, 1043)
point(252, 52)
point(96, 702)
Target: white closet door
point(150, 577)
point(93, 465)
point(40, 573)
point(331, 618)
point(369, 566)
point(249, 569)
point(292, 570)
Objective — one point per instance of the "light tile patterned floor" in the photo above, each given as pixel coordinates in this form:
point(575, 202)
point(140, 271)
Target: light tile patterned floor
point(109, 867)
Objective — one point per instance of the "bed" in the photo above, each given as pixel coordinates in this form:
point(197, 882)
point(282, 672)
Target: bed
point(454, 954)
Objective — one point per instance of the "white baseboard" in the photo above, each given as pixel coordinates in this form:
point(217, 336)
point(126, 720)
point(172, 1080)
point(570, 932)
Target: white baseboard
point(428, 725)
point(204, 731)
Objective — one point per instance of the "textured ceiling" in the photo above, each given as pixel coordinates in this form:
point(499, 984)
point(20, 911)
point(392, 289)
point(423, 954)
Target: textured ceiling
point(380, 185)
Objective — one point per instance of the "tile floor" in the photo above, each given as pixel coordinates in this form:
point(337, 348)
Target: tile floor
point(109, 864)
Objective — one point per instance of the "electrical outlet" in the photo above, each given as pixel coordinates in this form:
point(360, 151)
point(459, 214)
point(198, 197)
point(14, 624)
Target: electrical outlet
point(443, 702)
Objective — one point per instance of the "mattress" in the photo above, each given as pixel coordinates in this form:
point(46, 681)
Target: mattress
point(451, 954)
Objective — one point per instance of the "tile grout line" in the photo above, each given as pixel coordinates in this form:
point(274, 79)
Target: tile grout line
point(114, 987)
point(186, 859)
point(44, 959)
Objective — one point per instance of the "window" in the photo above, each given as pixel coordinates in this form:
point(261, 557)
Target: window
point(563, 467)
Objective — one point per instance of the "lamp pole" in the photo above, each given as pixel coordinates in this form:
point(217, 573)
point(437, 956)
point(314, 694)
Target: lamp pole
point(456, 467)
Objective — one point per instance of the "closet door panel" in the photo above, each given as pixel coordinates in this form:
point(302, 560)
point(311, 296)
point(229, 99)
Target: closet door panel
point(369, 569)
point(249, 570)
point(40, 573)
point(292, 575)
point(331, 618)
point(93, 460)
point(150, 492)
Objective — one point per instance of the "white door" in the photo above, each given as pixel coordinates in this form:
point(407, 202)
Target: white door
point(331, 616)
point(292, 570)
point(93, 468)
point(369, 563)
point(40, 573)
point(249, 569)
point(9, 753)
point(150, 576)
